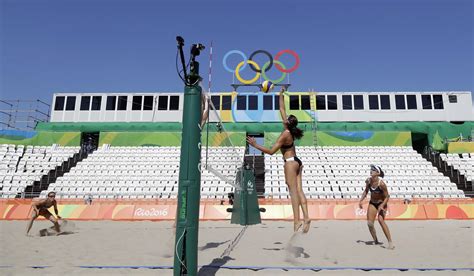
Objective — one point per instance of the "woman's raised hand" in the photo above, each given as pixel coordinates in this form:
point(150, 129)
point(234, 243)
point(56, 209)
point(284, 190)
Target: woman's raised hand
point(251, 141)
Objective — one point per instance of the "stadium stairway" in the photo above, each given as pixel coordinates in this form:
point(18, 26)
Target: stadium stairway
point(257, 162)
point(43, 184)
point(448, 170)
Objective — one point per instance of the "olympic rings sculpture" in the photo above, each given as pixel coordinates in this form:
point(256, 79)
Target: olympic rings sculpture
point(256, 68)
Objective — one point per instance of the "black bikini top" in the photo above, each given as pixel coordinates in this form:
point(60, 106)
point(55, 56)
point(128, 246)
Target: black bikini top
point(288, 146)
point(376, 190)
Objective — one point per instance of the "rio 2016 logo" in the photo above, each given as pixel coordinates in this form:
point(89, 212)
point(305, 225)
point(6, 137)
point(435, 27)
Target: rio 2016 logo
point(152, 212)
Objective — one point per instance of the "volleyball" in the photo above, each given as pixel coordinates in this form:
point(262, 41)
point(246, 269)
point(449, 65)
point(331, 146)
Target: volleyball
point(267, 86)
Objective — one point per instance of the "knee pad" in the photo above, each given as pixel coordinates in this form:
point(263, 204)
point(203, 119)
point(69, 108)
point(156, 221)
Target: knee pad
point(370, 224)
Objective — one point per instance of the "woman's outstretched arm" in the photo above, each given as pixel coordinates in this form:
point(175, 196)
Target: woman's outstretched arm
point(271, 151)
point(282, 105)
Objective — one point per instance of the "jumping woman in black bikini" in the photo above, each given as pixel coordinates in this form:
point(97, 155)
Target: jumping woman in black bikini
point(293, 165)
point(378, 203)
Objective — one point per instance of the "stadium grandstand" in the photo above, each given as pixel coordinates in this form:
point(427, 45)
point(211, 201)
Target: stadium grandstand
point(127, 145)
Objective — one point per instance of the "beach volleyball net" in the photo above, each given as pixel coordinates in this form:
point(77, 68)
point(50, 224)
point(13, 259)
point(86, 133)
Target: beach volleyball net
point(222, 151)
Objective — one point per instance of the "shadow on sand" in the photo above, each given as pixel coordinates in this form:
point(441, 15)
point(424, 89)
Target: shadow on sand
point(210, 245)
point(369, 242)
point(214, 266)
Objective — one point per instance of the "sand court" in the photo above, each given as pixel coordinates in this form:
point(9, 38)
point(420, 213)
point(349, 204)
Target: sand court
point(333, 247)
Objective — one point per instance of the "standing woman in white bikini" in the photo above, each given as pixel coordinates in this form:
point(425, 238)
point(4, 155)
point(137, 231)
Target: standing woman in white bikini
point(293, 166)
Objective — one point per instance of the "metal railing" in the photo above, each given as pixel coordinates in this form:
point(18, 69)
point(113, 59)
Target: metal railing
point(22, 114)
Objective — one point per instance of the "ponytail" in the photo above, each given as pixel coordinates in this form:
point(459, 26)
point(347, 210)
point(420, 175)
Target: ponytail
point(296, 132)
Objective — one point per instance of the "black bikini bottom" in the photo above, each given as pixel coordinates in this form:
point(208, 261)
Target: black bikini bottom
point(294, 158)
point(375, 204)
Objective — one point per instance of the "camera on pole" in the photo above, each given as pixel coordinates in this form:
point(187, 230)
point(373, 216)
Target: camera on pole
point(193, 77)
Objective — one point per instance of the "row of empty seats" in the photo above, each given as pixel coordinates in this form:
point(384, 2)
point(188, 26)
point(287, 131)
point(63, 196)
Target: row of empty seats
point(21, 166)
point(126, 191)
point(153, 172)
point(340, 172)
point(146, 172)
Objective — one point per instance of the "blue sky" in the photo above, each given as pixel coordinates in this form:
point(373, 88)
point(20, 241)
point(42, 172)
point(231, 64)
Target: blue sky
point(129, 46)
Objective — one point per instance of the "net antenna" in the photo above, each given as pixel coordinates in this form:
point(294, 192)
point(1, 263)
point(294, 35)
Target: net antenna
point(314, 117)
point(208, 100)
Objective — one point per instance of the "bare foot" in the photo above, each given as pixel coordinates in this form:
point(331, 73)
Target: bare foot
point(307, 223)
point(390, 246)
point(298, 225)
